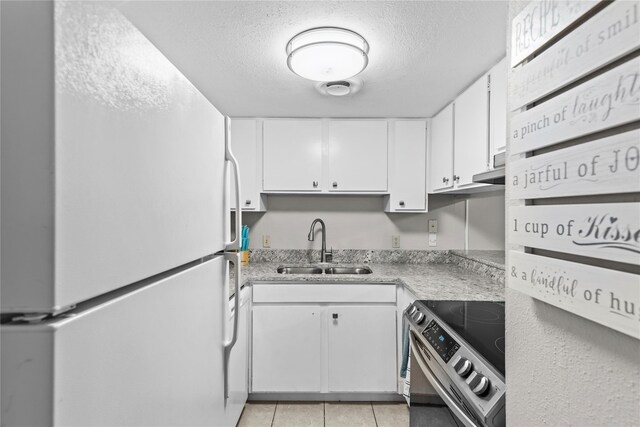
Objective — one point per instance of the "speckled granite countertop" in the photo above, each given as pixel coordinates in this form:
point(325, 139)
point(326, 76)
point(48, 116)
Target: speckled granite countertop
point(492, 258)
point(470, 275)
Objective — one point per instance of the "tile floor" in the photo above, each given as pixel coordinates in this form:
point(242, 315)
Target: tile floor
point(324, 414)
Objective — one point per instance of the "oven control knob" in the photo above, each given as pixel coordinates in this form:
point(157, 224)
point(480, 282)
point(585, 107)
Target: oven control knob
point(419, 318)
point(479, 384)
point(462, 366)
point(412, 310)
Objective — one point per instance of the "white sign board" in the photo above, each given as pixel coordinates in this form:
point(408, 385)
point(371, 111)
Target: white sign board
point(607, 36)
point(608, 165)
point(611, 298)
point(540, 22)
point(606, 231)
point(608, 100)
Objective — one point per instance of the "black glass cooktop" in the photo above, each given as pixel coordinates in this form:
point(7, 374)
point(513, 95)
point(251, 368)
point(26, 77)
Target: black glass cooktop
point(480, 323)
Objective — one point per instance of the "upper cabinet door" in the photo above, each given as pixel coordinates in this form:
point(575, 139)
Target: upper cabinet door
point(244, 145)
point(358, 155)
point(498, 108)
point(471, 129)
point(292, 155)
point(441, 159)
point(408, 178)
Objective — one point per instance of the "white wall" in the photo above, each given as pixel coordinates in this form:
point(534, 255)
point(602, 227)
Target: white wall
point(562, 369)
point(359, 222)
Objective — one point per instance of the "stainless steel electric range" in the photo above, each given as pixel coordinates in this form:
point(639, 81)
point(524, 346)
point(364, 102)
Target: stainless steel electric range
point(457, 359)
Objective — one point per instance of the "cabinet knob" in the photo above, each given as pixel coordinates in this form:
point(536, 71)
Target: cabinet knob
point(456, 178)
point(247, 202)
point(401, 202)
point(335, 315)
point(315, 184)
point(445, 179)
point(335, 184)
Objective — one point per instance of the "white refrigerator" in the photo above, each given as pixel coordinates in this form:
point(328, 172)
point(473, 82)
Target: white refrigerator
point(115, 225)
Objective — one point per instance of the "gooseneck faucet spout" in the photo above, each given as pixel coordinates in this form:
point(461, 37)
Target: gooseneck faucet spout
point(324, 255)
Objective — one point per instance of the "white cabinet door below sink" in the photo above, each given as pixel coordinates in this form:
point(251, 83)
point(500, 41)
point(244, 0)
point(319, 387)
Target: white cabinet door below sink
point(362, 348)
point(287, 349)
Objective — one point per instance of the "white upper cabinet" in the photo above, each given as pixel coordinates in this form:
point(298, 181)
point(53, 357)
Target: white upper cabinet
point(498, 109)
point(292, 155)
point(471, 130)
point(441, 159)
point(357, 155)
point(245, 145)
point(407, 168)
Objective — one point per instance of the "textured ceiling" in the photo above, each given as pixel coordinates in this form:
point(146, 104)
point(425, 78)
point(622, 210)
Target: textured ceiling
point(423, 53)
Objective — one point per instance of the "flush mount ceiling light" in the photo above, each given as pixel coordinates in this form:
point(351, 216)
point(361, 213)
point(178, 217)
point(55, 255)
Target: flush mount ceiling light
point(327, 54)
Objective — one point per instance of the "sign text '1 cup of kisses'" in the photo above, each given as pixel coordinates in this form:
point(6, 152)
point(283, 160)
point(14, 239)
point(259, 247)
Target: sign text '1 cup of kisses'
point(606, 231)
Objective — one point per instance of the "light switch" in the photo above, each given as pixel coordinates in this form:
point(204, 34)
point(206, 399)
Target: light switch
point(433, 239)
point(395, 242)
point(433, 226)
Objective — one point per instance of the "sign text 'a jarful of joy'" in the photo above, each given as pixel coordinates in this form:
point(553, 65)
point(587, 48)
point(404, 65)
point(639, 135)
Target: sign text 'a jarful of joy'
point(596, 167)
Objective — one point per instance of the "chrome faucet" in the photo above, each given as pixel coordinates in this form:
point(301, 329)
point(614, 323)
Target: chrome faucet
point(324, 255)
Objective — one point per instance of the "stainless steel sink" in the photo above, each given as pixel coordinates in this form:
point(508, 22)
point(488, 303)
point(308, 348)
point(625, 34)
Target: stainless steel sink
point(291, 269)
point(348, 270)
point(299, 270)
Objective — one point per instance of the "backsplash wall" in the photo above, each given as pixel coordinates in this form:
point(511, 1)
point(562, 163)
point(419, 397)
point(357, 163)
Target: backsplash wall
point(359, 222)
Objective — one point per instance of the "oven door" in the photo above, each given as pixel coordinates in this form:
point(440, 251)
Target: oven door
point(423, 400)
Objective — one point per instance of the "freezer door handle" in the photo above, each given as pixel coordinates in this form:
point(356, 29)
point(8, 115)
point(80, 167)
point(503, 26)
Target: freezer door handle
point(234, 258)
point(233, 245)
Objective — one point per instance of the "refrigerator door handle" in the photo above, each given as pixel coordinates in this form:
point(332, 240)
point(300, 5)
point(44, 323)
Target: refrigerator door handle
point(229, 157)
point(234, 258)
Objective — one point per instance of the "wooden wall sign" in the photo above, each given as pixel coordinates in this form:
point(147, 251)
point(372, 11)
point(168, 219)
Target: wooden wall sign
point(603, 166)
point(607, 36)
point(608, 100)
point(561, 53)
point(606, 231)
point(611, 298)
point(540, 22)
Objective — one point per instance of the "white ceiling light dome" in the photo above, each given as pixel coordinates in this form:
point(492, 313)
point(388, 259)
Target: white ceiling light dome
point(327, 54)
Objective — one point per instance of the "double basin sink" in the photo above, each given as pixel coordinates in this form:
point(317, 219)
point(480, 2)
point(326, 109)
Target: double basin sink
point(322, 270)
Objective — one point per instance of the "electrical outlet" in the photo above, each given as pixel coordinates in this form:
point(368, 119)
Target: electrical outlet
point(266, 241)
point(433, 226)
point(395, 242)
point(433, 239)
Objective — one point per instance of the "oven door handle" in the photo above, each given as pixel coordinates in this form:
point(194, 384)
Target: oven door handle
point(451, 403)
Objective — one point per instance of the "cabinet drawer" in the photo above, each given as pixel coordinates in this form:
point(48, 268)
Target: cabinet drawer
point(303, 292)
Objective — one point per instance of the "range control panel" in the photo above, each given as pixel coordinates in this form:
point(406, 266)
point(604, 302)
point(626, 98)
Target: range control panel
point(440, 340)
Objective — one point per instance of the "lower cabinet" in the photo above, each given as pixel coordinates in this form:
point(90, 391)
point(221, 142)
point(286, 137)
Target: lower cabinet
point(287, 348)
point(322, 344)
point(362, 349)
